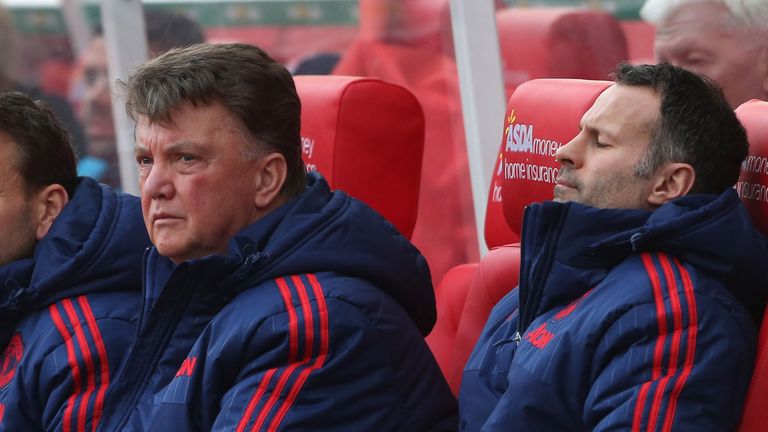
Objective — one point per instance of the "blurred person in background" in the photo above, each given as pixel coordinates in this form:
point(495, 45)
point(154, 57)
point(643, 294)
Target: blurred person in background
point(70, 276)
point(165, 30)
point(726, 40)
point(318, 63)
point(409, 43)
point(9, 62)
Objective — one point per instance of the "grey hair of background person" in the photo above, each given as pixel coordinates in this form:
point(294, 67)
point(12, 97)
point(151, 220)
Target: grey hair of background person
point(744, 13)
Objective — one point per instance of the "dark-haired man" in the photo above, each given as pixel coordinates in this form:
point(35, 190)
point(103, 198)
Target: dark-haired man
point(271, 303)
point(641, 285)
point(165, 30)
point(70, 265)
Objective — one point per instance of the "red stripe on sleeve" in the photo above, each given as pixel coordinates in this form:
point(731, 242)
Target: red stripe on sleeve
point(103, 360)
point(641, 397)
point(658, 297)
point(62, 328)
point(319, 360)
point(658, 351)
point(89, 368)
point(309, 324)
point(293, 327)
point(677, 314)
point(691, 345)
point(274, 395)
point(323, 308)
point(677, 320)
point(293, 364)
point(255, 399)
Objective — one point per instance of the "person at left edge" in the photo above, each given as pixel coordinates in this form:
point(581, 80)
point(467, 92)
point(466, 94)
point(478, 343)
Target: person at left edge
point(70, 265)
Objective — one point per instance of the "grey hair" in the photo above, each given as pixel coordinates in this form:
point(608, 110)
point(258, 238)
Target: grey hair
point(744, 13)
point(252, 86)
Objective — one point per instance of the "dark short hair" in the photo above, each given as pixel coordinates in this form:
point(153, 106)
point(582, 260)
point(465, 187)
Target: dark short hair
point(45, 151)
point(696, 126)
point(166, 30)
point(251, 85)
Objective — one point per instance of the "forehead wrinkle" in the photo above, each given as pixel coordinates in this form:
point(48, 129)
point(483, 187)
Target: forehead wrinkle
point(184, 144)
point(592, 122)
point(620, 119)
point(707, 17)
point(682, 42)
point(694, 26)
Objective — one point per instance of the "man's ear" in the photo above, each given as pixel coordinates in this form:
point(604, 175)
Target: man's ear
point(270, 178)
point(48, 204)
point(671, 181)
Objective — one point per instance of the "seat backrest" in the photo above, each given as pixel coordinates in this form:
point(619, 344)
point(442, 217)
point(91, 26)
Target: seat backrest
point(366, 137)
point(494, 276)
point(408, 42)
point(542, 42)
point(541, 116)
point(752, 187)
point(640, 36)
point(450, 295)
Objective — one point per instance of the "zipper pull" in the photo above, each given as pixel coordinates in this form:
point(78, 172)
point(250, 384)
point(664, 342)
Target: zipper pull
point(517, 338)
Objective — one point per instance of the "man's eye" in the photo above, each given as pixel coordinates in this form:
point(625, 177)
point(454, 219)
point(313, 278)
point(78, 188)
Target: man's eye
point(92, 75)
point(186, 158)
point(599, 144)
point(143, 160)
point(695, 61)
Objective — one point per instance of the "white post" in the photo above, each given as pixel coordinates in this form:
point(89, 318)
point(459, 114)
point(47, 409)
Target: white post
point(482, 94)
point(124, 35)
point(77, 27)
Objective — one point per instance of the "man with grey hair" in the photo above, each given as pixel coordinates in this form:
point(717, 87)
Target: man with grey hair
point(726, 40)
point(270, 301)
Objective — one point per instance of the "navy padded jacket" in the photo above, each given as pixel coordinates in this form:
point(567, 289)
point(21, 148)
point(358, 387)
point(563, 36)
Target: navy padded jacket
point(68, 315)
point(313, 321)
point(623, 320)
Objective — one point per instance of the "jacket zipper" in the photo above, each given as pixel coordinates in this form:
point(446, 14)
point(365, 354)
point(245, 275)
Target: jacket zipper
point(142, 312)
point(539, 275)
point(166, 329)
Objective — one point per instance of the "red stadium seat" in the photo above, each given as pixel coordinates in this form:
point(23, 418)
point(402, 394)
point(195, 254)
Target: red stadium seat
point(558, 43)
point(753, 190)
point(407, 42)
point(496, 275)
point(541, 115)
point(640, 36)
point(531, 172)
point(366, 137)
point(450, 295)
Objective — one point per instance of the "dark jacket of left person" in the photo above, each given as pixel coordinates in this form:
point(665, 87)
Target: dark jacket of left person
point(69, 313)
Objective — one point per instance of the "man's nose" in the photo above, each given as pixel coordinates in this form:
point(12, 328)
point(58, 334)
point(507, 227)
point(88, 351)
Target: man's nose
point(156, 183)
point(568, 154)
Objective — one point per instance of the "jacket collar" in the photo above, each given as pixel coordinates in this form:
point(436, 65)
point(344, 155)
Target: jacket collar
point(712, 232)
